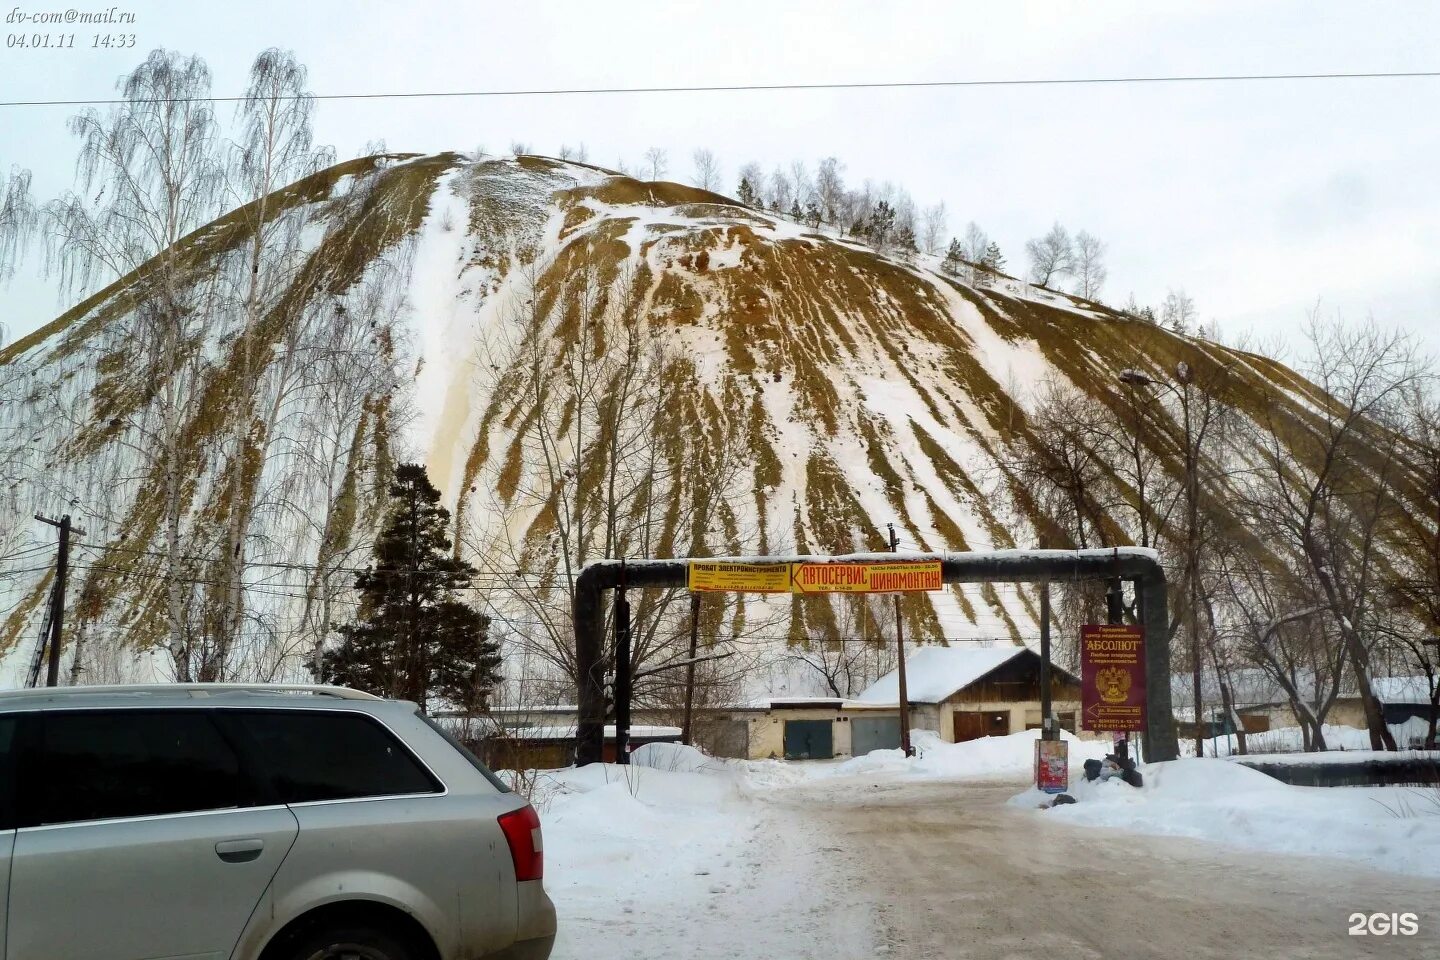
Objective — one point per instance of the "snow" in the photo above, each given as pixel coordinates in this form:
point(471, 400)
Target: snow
point(674, 854)
point(821, 702)
point(1385, 828)
point(1401, 689)
point(1023, 363)
point(934, 673)
point(443, 312)
point(567, 731)
point(1290, 740)
point(675, 757)
point(663, 861)
point(681, 854)
point(985, 758)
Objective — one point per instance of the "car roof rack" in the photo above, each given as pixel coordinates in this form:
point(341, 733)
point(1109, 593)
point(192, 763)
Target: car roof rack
point(194, 690)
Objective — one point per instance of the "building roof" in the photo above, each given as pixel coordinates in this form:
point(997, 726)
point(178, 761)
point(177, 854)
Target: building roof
point(1401, 689)
point(1249, 687)
point(637, 731)
point(933, 674)
point(781, 702)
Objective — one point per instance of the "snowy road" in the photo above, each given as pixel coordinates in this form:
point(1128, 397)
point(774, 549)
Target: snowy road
point(956, 874)
point(844, 868)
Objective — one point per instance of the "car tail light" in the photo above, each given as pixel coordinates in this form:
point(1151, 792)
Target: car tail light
point(522, 832)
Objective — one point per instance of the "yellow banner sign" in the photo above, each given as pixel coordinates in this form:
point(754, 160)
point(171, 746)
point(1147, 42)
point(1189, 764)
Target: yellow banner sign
point(740, 577)
point(866, 577)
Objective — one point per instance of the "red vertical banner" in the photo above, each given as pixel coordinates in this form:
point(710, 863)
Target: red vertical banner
point(1112, 677)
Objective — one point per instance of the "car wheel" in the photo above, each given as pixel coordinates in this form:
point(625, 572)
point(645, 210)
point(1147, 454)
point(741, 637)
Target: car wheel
point(352, 943)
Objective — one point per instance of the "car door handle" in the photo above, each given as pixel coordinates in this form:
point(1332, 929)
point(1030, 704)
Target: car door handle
point(239, 851)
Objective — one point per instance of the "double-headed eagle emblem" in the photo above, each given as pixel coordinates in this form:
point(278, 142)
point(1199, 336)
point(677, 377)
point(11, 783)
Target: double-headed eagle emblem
point(1113, 684)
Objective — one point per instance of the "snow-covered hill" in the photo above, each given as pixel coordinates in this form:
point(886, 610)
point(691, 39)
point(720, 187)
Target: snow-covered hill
point(590, 365)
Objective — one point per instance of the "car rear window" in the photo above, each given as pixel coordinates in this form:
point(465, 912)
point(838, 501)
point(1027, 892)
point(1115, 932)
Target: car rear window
point(104, 764)
point(311, 755)
point(465, 752)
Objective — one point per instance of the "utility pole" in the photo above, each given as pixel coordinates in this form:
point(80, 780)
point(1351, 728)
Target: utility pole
point(57, 596)
point(1192, 550)
point(687, 730)
point(1185, 377)
point(900, 672)
point(1047, 720)
point(1115, 615)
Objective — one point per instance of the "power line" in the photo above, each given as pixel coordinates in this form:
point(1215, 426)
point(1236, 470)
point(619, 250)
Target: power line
point(778, 87)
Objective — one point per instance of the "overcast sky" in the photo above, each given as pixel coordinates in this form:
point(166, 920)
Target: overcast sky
point(1260, 199)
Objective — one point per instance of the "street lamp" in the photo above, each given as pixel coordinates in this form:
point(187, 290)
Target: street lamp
point(1184, 376)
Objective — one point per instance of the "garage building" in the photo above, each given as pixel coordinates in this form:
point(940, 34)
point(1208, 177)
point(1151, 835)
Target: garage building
point(967, 692)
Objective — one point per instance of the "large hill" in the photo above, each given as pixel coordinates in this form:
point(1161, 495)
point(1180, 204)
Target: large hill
point(589, 365)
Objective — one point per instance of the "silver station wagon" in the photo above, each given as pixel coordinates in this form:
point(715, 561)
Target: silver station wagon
point(256, 823)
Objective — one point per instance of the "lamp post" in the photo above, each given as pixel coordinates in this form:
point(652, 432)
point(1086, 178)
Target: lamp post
point(1184, 376)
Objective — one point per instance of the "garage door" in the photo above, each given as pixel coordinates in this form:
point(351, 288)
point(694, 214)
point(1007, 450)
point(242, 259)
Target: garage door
point(809, 740)
point(974, 724)
point(874, 733)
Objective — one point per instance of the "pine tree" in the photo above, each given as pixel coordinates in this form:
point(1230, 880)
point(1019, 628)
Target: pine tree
point(882, 223)
point(905, 240)
point(746, 193)
point(796, 213)
point(812, 215)
point(993, 261)
point(954, 257)
point(413, 637)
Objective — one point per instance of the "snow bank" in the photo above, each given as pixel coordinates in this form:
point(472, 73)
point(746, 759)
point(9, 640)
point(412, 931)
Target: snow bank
point(676, 757)
point(671, 857)
point(1387, 828)
point(987, 757)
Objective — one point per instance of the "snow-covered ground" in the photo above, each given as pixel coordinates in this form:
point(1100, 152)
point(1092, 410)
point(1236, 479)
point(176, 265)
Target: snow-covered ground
point(630, 851)
point(679, 859)
point(1385, 828)
point(994, 758)
point(679, 854)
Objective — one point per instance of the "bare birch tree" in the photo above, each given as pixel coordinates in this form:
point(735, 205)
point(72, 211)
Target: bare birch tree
point(800, 182)
point(1178, 312)
point(591, 386)
point(275, 149)
point(932, 229)
point(1275, 623)
point(1414, 586)
point(1064, 464)
point(18, 219)
point(1090, 272)
point(1328, 484)
point(851, 661)
point(1050, 256)
point(656, 163)
point(152, 161)
point(830, 189)
point(781, 192)
point(707, 170)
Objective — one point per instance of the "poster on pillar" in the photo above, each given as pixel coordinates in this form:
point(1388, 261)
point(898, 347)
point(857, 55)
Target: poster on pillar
point(1112, 677)
point(1052, 766)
